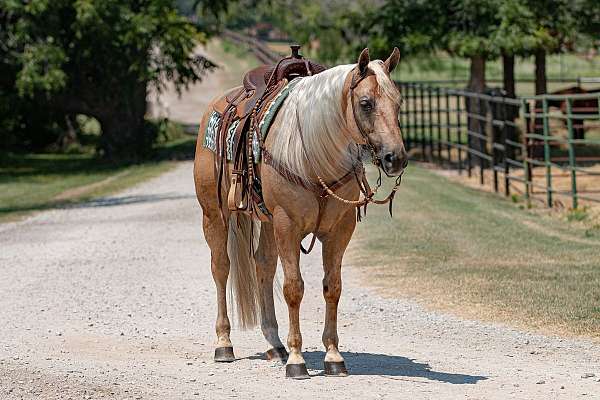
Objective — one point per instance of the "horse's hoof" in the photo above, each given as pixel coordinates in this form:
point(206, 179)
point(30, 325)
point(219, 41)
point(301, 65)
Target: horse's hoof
point(224, 354)
point(277, 354)
point(335, 368)
point(296, 371)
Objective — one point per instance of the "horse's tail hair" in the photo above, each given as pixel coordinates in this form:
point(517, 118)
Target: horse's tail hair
point(243, 231)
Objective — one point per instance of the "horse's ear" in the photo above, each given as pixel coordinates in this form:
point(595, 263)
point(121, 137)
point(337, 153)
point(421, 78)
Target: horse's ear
point(363, 61)
point(392, 60)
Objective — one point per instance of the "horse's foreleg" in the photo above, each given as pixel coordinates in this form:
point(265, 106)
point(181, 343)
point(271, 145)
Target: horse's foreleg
point(266, 265)
point(334, 246)
point(215, 233)
point(288, 237)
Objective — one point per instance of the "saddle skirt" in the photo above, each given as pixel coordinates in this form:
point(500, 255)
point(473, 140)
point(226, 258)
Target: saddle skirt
point(266, 118)
point(239, 124)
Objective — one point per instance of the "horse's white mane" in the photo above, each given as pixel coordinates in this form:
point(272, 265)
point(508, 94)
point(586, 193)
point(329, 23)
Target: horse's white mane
point(316, 104)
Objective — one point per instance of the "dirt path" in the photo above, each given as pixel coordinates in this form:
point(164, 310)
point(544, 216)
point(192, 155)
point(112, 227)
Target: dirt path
point(188, 107)
point(114, 299)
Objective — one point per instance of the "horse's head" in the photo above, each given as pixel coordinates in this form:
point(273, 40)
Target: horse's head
point(371, 110)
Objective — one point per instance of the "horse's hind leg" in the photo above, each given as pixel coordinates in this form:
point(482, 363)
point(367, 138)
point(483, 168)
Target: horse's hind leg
point(216, 236)
point(266, 265)
point(334, 246)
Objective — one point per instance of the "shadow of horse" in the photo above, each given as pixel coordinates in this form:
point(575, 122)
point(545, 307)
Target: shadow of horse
point(388, 365)
point(126, 200)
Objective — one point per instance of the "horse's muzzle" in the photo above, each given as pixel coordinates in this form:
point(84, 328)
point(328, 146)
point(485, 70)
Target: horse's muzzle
point(393, 163)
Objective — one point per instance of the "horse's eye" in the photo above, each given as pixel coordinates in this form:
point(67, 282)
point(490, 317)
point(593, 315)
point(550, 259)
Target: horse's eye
point(366, 104)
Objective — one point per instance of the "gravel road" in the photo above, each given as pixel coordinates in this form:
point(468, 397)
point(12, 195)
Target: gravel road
point(114, 299)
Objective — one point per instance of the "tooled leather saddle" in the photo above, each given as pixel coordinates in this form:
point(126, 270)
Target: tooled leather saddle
point(238, 131)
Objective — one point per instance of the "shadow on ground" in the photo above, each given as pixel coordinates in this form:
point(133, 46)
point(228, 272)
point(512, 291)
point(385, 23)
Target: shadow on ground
point(99, 202)
point(126, 200)
point(387, 365)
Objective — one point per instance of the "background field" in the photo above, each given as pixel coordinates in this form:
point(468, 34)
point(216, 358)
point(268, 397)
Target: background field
point(35, 182)
point(476, 255)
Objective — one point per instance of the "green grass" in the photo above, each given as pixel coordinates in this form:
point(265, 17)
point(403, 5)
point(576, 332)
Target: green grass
point(35, 182)
point(481, 256)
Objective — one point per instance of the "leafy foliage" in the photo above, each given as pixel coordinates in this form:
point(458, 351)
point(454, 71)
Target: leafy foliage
point(97, 57)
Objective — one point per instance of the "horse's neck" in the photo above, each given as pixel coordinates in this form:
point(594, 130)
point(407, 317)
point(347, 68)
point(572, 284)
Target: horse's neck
point(310, 138)
point(331, 161)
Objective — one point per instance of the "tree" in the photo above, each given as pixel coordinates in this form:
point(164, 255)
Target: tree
point(325, 28)
point(587, 15)
point(459, 27)
point(555, 26)
point(98, 57)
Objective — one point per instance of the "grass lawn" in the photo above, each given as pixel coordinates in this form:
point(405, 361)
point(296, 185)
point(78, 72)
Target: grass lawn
point(35, 182)
point(477, 255)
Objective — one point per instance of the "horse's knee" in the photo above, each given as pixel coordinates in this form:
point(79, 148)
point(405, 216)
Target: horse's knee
point(332, 290)
point(293, 290)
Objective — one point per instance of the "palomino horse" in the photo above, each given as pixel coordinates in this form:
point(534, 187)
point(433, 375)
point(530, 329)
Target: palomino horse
point(316, 137)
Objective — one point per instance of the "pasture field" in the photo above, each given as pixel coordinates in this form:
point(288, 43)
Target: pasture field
point(35, 182)
point(477, 255)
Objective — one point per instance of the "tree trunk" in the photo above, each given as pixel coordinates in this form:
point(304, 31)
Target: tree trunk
point(540, 72)
point(476, 106)
point(124, 131)
point(68, 135)
point(510, 112)
point(477, 74)
point(541, 87)
point(508, 75)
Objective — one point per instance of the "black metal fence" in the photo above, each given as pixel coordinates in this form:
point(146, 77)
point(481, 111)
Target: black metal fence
point(543, 148)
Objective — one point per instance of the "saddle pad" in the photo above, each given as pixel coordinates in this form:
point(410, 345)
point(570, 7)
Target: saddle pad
point(212, 129)
point(214, 122)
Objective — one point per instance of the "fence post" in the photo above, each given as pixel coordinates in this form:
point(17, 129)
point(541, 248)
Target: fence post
point(448, 147)
point(458, 129)
point(430, 123)
point(422, 124)
point(525, 152)
point(410, 109)
point(481, 147)
point(401, 116)
point(572, 165)
point(506, 153)
point(547, 159)
point(493, 151)
point(439, 123)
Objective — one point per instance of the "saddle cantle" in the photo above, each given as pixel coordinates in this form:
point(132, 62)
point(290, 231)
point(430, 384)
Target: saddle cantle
point(240, 113)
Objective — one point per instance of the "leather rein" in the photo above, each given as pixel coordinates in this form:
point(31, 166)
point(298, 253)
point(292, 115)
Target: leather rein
point(358, 171)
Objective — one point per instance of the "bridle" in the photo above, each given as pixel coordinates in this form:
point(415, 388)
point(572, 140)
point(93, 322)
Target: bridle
point(363, 184)
point(358, 171)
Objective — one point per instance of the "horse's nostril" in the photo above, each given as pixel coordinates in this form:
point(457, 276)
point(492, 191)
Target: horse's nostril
point(389, 157)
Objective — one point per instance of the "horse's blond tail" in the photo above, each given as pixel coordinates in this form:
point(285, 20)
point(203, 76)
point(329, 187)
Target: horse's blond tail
point(242, 270)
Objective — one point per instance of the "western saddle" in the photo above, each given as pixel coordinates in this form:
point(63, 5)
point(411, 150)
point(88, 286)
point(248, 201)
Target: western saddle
point(242, 110)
